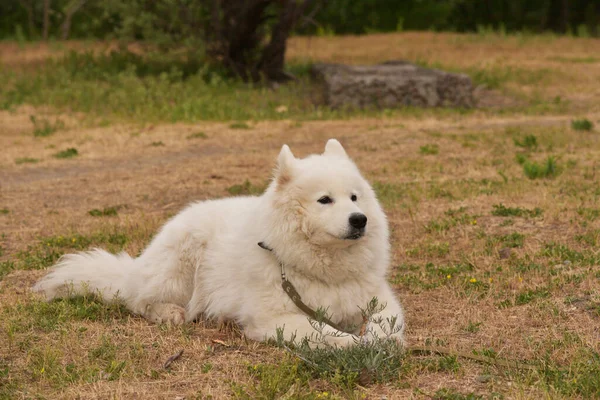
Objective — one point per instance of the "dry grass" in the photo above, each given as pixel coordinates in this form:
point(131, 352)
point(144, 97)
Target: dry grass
point(462, 289)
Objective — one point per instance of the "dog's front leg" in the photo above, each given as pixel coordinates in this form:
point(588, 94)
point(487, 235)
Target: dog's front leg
point(297, 327)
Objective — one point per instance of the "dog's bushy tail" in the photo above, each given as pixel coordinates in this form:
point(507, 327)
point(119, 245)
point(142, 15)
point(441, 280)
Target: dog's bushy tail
point(94, 272)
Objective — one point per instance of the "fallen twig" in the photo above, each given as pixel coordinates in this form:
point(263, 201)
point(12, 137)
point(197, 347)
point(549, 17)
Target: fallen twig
point(172, 358)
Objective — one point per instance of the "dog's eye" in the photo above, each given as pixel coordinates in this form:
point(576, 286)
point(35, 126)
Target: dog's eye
point(353, 197)
point(325, 200)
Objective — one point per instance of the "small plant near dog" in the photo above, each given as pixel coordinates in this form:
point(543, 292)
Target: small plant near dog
point(43, 127)
point(373, 359)
point(68, 153)
point(528, 142)
point(582, 124)
point(157, 144)
point(26, 160)
point(548, 169)
point(198, 135)
point(429, 149)
point(4, 211)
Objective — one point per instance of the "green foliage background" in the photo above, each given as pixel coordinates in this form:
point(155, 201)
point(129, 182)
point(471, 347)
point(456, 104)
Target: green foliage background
point(142, 19)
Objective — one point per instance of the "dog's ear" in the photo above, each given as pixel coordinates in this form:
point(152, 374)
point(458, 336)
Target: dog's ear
point(285, 165)
point(334, 148)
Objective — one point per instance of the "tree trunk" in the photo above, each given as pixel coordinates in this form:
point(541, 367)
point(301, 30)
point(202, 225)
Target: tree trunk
point(273, 57)
point(46, 26)
point(70, 10)
point(239, 29)
point(28, 6)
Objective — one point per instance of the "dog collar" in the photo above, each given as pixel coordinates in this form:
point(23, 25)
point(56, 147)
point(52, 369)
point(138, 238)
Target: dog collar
point(293, 294)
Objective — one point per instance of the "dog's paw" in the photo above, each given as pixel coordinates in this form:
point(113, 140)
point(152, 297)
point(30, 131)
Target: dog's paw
point(166, 313)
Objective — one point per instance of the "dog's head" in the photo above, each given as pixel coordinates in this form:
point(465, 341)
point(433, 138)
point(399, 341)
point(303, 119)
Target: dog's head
point(326, 197)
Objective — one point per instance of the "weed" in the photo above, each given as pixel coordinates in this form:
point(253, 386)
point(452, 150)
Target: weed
point(548, 169)
point(582, 124)
point(157, 144)
point(429, 149)
point(377, 360)
point(4, 211)
point(198, 135)
point(68, 153)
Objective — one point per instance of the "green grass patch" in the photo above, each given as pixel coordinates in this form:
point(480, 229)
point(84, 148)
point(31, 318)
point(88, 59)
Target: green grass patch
point(49, 249)
point(580, 378)
point(198, 135)
point(452, 218)
point(105, 212)
point(157, 144)
point(562, 253)
point(246, 189)
point(528, 142)
point(26, 160)
point(4, 211)
point(148, 88)
point(500, 210)
point(43, 127)
point(548, 169)
point(429, 149)
point(582, 124)
point(42, 316)
point(239, 125)
point(451, 394)
point(68, 153)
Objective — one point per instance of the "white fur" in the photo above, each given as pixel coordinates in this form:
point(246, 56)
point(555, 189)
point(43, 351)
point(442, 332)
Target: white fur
point(206, 261)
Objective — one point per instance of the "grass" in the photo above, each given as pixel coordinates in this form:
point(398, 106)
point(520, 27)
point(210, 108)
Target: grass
point(43, 127)
point(470, 231)
point(548, 169)
point(528, 142)
point(429, 149)
point(501, 210)
point(26, 160)
point(582, 124)
point(246, 188)
point(198, 135)
point(68, 153)
point(105, 212)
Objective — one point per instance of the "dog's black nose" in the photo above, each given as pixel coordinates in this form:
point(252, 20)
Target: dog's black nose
point(358, 220)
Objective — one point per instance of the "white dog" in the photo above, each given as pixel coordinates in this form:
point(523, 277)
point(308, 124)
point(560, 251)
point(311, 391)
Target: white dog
point(327, 234)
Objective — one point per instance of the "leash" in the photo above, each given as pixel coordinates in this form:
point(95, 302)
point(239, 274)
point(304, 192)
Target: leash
point(293, 294)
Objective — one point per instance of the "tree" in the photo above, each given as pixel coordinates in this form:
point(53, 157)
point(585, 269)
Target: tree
point(240, 29)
